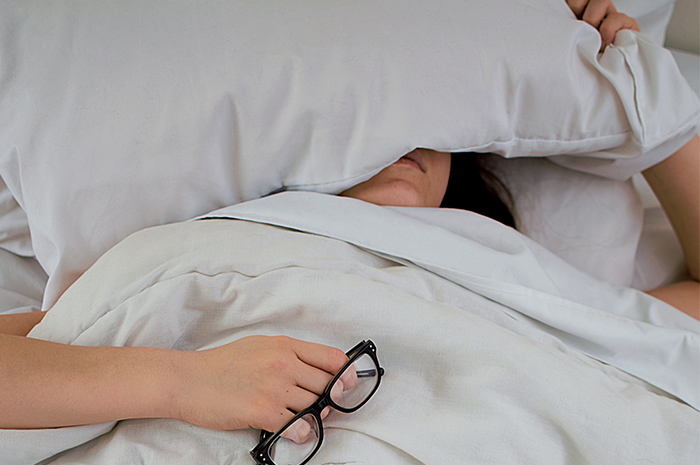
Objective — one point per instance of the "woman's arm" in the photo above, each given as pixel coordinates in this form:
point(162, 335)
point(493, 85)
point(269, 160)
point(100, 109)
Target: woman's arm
point(19, 324)
point(675, 183)
point(253, 382)
point(46, 384)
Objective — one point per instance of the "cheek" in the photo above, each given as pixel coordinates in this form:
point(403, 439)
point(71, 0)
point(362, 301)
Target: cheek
point(398, 187)
point(443, 164)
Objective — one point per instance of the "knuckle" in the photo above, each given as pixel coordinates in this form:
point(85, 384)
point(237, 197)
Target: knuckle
point(281, 341)
point(266, 409)
point(279, 365)
point(338, 359)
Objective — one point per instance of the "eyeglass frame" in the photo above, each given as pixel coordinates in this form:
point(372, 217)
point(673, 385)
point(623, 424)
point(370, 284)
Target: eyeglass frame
point(261, 452)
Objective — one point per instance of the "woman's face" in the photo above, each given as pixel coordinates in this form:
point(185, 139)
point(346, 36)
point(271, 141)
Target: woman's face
point(419, 179)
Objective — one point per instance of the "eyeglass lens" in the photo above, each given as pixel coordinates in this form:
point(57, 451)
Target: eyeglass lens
point(358, 382)
point(299, 442)
point(300, 439)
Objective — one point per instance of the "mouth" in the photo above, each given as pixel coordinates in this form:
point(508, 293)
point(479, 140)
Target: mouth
point(413, 159)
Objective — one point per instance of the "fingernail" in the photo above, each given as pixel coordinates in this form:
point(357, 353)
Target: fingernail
point(337, 390)
point(325, 412)
point(298, 431)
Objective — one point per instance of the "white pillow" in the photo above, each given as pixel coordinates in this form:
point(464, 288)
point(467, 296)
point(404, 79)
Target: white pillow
point(14, 229)
point(592, 222)
point(118, 115)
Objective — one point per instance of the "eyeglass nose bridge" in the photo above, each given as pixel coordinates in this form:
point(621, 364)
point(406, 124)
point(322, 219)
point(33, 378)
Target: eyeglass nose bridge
point(321, 403)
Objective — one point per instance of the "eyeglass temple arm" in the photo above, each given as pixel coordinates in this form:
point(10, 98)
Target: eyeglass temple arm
point(369, 373)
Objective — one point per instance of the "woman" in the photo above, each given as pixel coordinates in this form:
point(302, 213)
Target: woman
point(425, 178)
point(258, 382)
point(420, 179)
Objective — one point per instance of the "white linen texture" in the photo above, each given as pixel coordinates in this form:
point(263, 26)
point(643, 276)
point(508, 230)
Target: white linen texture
point(119, 115)
point(468, 379)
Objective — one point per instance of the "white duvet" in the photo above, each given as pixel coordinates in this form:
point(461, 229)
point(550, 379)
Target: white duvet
point(494, 350)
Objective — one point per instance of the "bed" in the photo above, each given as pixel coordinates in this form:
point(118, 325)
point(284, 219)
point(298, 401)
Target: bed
point(186, 164)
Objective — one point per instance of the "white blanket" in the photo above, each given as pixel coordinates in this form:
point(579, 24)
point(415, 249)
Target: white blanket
point(491, 346)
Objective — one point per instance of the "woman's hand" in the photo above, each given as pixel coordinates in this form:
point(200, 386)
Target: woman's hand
point(255, 382)
point(602, 15)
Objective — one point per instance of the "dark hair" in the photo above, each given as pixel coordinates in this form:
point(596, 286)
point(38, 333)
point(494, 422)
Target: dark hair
point(475, 188)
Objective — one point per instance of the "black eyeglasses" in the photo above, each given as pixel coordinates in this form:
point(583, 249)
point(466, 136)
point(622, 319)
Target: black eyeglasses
point(363, 370)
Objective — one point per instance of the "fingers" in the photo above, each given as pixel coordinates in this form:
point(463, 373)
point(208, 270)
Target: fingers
point(311, 378)
point(299, 431)
point(300, 378)
point(602, 15)
point(297, 399)
point(315, 364)
point(591, 11)
point(325, 412)
point(596, 11)
point(613, 23)
point(577, 7)
point(255, 381)
point(337, 390)
point(349, 378)
point(323, 357)
point(320, 362)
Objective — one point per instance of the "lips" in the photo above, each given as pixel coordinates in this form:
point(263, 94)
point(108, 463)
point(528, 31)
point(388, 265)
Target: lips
point(415, 159)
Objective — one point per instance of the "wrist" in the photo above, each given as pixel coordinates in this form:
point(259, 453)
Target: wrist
point(161, 384)
point(175, 384)
point(136, 382)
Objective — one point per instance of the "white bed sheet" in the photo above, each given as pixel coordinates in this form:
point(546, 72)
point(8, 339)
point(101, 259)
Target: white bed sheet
point(482, 333)
point(21, 285)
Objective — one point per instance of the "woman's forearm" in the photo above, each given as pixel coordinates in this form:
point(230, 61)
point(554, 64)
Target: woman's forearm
point(675, 183)
point(253, 382)
point(45, 384)
point(19, 324)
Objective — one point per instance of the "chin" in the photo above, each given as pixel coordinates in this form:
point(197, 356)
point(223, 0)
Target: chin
point(397, 195)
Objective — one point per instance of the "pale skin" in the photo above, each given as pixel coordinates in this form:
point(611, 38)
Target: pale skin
point(258, 382)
